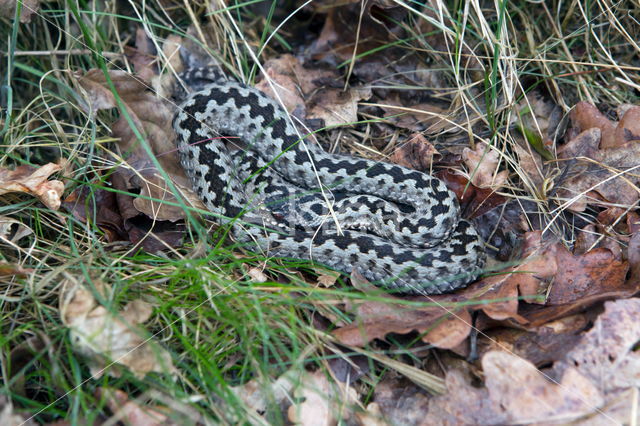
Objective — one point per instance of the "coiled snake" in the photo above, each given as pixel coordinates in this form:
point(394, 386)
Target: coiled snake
point(399, 228)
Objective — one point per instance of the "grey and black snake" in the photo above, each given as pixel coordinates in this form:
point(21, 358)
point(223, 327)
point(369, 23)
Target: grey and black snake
point(399, 228)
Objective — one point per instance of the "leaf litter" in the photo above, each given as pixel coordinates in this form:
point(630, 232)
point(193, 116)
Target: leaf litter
point(556, 327)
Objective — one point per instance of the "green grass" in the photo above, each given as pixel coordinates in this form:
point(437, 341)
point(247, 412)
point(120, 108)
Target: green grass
point(221, 327)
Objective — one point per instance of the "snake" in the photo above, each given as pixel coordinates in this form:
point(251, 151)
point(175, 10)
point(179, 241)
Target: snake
point(285, 196)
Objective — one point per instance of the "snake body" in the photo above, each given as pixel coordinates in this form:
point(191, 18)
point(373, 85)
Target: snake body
point(399, 228)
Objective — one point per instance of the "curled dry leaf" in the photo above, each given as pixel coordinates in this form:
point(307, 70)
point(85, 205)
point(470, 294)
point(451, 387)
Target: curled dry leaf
point(581, 276)
point(151, 115)
point(143, 56)
point(594, 175)
point(12, 230)
point(439, 326)
point(526, 279)
point(295, 83)
point(33, 181)
point(98, 206)
point(286, 74)
point(417, 153)
point(585, 116)
point(574, 279)
point(154, 212)
point(483, 165)
point(323, 403)
point(110, 339)
point(474, 201)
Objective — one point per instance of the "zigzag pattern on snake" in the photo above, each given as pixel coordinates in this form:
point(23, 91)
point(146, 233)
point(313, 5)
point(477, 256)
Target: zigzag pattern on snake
point(398, 227)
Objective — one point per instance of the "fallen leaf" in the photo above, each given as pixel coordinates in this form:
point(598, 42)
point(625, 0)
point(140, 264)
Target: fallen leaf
point(322, 402)
point(526, 395)
point(585, 116)
point(634, 257)
point(143, 56)
point(29, 8)
point(607, 354)
point(257, 396)
point(581, 276)
point(542, 346)
point(151, 115)
point(284, 73)
point(372, 416)
point(416, 153)
point(305, 94)
point(9, 416)
point(12, 230)
point(155, 195)
point(463, 404)
point(483, 164)
point(141, 229)
point(336, 107)
point(374, 320)
point(33, 181)
point(527, 279)
point(131, 412)
point(96, 205)
point(110, 340)
point(596, 175)
point(474, 201)
point(400, 401)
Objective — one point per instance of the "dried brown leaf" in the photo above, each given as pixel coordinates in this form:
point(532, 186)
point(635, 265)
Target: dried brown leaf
point(151, 115)
point(12, 230)
point(585, 116)
point(417, 153)
point(542, 346)
point(34, 181)
point(111, 340)
point(285, 74)
point(257, 396)
point(29, 8)
point(603, 174)
point(101, 209)
point(131, 412)
point(595, 272)
point(614, 134)
point(526, 395)
point(528, 278)
point(322, 403)
point(374, 320)
point(9, 416)
point(463, 404)
point(483, 164)
point(336, 107)
point(294, 84)
point(607, 354)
